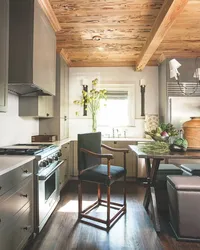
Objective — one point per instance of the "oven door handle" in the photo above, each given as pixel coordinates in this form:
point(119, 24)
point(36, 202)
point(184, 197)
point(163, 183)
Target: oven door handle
point(46, 176)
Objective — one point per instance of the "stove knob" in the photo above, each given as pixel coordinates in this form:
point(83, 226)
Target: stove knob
point(42, 164)
point(50, 160)
point(47, 162)
point(55, 157)
point(59, 154)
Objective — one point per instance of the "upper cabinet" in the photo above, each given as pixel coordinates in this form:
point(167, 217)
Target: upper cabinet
point(32, 55)
point(59, 125)
point(36, 106)
point(4, 30)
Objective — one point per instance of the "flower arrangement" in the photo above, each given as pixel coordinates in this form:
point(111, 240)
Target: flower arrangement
point(91, 101)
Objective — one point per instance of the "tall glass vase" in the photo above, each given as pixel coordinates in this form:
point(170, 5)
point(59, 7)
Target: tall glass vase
point(94, 122)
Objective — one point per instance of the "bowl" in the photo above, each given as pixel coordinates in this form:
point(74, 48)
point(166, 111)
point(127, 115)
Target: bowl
point(160, 138)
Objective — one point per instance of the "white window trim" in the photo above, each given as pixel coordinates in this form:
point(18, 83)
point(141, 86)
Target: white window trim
point(130, 88)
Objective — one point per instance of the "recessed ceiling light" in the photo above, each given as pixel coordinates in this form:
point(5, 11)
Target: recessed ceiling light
point(96, 38)
point(100, 48)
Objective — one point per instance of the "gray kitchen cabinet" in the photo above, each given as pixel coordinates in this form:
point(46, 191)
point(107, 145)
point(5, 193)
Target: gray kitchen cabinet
point(73, 158)
point(36, 106)
point(16, 207)
point(4, 41)
point(130, 160)
point(32, 50)
point(64, 168)
point(118, 157)
point(59, 125)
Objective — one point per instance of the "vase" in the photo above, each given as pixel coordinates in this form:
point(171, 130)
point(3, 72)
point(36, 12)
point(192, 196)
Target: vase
point(192, 132)
point(94, 122)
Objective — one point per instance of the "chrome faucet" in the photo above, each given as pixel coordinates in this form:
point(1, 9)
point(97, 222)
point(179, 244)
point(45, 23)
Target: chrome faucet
point(113, 133)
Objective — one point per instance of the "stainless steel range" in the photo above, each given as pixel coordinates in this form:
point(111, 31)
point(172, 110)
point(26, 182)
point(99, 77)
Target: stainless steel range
point(46, 177)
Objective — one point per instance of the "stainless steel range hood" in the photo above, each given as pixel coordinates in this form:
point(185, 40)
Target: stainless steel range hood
point(25, 89)
point(32, 50)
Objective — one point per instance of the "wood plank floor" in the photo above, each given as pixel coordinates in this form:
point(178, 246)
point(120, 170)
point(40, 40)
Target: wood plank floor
point(133, 231)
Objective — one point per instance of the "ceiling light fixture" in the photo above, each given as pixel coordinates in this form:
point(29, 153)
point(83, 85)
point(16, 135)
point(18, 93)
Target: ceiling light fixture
point(96, 38)
point(174, 73)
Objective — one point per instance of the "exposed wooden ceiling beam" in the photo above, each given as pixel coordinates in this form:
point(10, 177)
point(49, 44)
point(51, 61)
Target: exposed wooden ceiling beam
point(46, 6)
point(166, 17)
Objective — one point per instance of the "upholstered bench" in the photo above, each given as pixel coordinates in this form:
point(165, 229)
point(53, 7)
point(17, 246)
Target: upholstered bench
point(191, 169)
point(184, 204)
point(161, 184)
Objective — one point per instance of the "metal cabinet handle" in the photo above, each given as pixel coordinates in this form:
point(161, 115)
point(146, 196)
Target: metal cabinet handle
point(25, 228)
point(25, 171)
point(47, 114)
point(24, 195)
point(0, 187)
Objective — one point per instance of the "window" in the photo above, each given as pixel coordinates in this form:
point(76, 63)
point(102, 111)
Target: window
point(119, 108)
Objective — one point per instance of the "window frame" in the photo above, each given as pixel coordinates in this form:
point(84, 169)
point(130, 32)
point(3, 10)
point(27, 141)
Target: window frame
point(130, 88)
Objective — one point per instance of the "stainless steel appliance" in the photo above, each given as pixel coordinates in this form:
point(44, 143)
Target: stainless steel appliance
point(46, 178)
point(182, 108)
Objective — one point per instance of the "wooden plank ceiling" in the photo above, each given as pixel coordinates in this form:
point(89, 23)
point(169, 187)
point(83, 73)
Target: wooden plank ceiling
point(126, 32)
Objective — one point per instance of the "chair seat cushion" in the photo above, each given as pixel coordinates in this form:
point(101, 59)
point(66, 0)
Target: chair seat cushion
point(99, 174)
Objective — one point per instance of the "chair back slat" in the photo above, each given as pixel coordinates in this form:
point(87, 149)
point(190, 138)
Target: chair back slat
point(92, 142)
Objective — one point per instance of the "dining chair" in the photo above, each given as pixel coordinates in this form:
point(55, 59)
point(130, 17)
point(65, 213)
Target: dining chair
point(92, 170)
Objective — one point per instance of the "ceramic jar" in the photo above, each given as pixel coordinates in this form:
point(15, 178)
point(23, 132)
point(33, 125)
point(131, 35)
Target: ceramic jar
point(192, 132)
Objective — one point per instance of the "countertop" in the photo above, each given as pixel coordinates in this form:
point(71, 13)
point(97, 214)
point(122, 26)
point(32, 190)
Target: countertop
point(131, 139)
point(10, 162)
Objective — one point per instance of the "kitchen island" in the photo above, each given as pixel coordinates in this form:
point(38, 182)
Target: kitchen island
point(152, 172)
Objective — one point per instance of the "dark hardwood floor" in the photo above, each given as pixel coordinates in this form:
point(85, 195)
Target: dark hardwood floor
point(133, 230)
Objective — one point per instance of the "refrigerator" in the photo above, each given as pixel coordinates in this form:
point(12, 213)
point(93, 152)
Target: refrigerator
point(182, 108)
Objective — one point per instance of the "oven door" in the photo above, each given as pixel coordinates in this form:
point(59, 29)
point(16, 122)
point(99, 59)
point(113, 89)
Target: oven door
point(48, 193)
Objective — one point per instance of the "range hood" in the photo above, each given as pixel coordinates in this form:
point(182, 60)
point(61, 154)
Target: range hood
point(32, 50)
point(24, 89)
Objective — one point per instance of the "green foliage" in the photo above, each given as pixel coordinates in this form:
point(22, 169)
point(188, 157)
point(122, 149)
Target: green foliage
point(92, 98)
point(181, 142)
point(155, 147)
point(162, 132)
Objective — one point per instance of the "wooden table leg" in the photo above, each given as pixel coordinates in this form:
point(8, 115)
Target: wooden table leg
point(155, 210)
point(150, 191)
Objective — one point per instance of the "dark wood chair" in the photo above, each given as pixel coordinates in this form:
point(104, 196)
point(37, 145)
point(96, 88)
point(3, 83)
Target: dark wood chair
point(91, 170)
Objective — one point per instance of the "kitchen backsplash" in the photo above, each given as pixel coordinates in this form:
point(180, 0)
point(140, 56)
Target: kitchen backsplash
point(16, 129)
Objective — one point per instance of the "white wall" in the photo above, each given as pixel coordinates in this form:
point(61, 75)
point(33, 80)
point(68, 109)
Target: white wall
point(15, 129)
point(107, 75)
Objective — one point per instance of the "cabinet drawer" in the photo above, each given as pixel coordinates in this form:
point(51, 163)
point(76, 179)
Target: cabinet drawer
point(15, 234)
point(13, 200)
point(12, 178)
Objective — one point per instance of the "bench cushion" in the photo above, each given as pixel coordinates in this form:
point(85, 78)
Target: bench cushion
point(185, 183)
point(193, 169)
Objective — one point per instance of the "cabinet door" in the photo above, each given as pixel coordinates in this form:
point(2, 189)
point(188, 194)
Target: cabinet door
point(64, 128)
point(4, 41)
point(119, 159)
point(64, 169)
point(44, 52)
point(45, 106)
point(105, 151)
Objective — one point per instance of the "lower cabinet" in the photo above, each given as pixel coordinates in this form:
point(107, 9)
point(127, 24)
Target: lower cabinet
point(64, 168)
point(16, 207)
point(118, 157)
